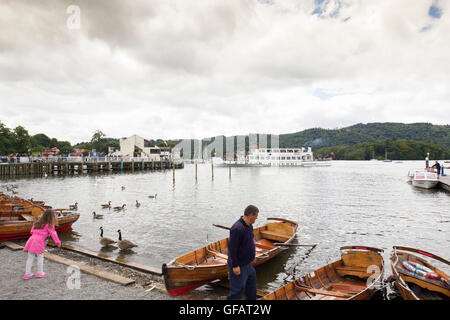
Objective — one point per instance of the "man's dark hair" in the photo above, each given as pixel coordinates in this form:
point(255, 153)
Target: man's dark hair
point(251, 209)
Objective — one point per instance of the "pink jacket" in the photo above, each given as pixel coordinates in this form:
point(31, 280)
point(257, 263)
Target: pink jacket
point(36, 243)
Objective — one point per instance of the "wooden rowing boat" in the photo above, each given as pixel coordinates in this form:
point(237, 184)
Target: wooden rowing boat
point(18, 215)
point(413, 286)
point(209, 263)
point(356, 276)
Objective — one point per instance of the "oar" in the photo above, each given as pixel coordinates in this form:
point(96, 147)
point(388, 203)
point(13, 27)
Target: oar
point(223, 227)
point(294, 244)
point(275, 243)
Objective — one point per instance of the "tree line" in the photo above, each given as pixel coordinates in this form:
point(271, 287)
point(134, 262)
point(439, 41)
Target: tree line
point(393, 149)
point(19, 141)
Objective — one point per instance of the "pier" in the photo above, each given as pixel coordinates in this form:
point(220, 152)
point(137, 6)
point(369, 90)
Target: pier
point(444, 182)
point(84, 166)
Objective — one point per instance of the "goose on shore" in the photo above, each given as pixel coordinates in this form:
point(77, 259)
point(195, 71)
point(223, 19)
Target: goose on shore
point(120, 208)
point(153, 195)
point(107, 205)
point(97, 216)
point(124, 244)
point(105, 241)
point(74, 206)
point(137, 204)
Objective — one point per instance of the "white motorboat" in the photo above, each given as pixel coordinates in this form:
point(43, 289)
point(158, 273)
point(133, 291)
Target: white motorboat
point(424, 179)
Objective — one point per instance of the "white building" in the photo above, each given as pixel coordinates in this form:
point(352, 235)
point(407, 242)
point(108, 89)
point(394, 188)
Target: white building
point(136, 146)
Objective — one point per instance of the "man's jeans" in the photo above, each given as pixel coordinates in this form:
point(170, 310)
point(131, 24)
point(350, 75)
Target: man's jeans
point(243, 283)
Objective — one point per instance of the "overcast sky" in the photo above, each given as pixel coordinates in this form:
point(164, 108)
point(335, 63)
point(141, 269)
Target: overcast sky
point(193, 69)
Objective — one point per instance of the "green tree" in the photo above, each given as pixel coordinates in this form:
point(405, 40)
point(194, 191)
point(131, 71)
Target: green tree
point(22, 143)
point(97, 142)
point(6, 140)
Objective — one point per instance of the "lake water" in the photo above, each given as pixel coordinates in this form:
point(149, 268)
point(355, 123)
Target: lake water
point(349, 203)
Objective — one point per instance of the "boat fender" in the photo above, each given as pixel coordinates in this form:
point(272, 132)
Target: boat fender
point(420, 270)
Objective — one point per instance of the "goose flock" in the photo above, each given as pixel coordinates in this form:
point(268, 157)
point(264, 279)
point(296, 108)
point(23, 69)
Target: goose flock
point(123, 244)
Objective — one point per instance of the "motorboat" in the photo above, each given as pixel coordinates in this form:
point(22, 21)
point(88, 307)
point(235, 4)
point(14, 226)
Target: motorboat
point(424, 179)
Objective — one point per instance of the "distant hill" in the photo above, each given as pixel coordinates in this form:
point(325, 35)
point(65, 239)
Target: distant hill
point(371, 132)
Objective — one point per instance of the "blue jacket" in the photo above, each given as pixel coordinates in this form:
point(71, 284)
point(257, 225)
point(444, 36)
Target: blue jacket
point(241, 245)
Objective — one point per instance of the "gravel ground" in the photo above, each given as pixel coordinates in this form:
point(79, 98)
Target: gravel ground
point(59, 280)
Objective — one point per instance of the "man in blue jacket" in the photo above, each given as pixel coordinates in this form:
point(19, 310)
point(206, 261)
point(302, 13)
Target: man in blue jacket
point(241, 253)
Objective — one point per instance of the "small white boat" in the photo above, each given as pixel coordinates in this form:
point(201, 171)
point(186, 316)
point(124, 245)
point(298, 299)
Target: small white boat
point(425, 179)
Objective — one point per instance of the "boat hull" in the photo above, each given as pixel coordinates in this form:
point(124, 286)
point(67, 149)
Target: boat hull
point(21, 229)
point(364, 265)
point(209, 263)
point(424, 184)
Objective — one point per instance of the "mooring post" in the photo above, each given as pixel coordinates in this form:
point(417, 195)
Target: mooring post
point(173, 169)
point(195, 170)
point(212, 169)
point(229, 171)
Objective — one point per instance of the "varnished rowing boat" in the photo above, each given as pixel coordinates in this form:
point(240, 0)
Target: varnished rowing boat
point(17, 216)
point(209, 263)
point(413, 285)
point(356, 276)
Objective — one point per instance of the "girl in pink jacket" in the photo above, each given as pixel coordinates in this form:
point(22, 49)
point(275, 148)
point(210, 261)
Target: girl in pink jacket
point(37, 242)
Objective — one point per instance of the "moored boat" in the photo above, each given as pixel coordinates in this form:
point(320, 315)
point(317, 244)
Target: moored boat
point(209, 263)
point(356, 276)
point(416, 278)
point(18, 215)
point(424, 179)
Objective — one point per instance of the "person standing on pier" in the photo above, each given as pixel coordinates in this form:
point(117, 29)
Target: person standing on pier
point(241, 253)
point(37, 242)
point(438, 168)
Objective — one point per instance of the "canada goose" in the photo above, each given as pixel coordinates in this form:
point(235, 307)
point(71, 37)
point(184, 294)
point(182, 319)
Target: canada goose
point(123, 187)
point(120, 208)
point(124, 244)
point(153, 195)
point(137, 204)
point(105, 241)
point(97, 216)
point(74, 206)
point(107, 205)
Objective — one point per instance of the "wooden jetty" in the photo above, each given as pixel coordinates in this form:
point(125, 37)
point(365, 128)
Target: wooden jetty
point(69, 167)
point(444, 182)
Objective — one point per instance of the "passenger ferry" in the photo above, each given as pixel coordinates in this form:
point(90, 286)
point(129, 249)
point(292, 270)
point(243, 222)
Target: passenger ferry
point(281, 156)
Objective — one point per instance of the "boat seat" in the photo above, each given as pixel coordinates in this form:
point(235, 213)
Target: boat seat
point(360, 272)
point(218, 254)
point(274, 236)
point(27, 216)
point(323, 292)
point(263, 246)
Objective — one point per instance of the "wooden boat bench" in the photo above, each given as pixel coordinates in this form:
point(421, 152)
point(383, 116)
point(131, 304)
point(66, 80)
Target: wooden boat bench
point(27, 216)
point(274, 236)
point(218, 254)
point(323, 292)
point(360, 272)
point(264, 246)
